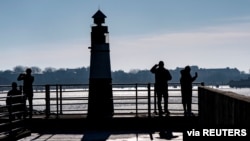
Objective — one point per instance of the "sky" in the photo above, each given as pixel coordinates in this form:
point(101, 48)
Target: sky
point(56, 33)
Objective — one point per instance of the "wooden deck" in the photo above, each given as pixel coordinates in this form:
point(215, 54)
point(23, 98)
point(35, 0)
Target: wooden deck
point(125, 122)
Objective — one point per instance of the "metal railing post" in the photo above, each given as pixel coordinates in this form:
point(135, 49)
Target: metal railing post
point(155, 110)
point(149, 101)
point(24, 100)
point(47, 100)
point(21, 88)
point(60, 99)
point(10, 108)
point(136, 100)
point(57, 106)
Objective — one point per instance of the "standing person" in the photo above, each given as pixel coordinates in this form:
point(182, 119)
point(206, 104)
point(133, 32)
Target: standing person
point(186, 81)
point(162, 76)
point(28, 80)
point(14, 97)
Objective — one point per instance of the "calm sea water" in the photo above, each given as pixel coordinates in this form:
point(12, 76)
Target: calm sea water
point(242, 91)
point(71, 96)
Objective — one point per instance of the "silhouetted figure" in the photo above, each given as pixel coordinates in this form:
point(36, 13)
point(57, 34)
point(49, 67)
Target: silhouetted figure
point(167, 135)
point(186, 81)
point(14, 102)
point(162, 76)
point(28, 80)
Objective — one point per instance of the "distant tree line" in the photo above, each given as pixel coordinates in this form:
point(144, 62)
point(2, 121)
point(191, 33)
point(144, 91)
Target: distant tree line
point(81, 75)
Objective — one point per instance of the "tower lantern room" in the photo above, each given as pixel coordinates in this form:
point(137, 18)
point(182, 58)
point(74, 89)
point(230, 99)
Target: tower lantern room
point(99, 18)
point(99, 34)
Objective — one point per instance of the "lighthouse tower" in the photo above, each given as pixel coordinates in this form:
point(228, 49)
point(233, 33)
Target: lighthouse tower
point(100, 82)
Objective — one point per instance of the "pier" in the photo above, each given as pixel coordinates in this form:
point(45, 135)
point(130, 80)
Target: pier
point(63, 109)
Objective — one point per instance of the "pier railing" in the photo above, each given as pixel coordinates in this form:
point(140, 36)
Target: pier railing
point(129, 99)
point(223, 108)
point(12, 123)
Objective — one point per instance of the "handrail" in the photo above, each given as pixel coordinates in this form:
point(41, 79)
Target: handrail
point(129, 99)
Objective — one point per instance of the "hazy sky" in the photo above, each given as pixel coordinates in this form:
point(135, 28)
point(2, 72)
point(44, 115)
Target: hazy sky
point(56, 33)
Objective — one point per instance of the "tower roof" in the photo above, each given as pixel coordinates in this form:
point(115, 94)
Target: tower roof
point(99, 15)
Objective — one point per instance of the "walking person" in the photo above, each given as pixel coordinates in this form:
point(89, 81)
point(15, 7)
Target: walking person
point(186, 81)
point(28, 80)
point(162, 76)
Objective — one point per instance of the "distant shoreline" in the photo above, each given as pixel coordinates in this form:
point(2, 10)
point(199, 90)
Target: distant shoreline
point(243, 83)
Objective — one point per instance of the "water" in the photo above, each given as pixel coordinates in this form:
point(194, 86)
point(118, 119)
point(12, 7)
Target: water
point(124, 98)
point(241, 91)
point(76, 99)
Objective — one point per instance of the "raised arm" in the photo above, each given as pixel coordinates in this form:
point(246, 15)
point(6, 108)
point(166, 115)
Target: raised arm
point(21, 77)
point(194, 78)
point(153, 69)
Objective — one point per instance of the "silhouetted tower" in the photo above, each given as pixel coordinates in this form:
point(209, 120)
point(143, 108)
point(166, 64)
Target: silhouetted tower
point(100, 81)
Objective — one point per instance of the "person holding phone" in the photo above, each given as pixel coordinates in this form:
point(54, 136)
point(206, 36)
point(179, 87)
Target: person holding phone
point(162, 76)
point(186, 81)
point(28, 80)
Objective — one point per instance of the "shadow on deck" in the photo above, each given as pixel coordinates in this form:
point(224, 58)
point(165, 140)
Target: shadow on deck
point(82, 123)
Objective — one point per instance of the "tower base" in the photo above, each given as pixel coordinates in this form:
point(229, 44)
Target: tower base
point(100, 103)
